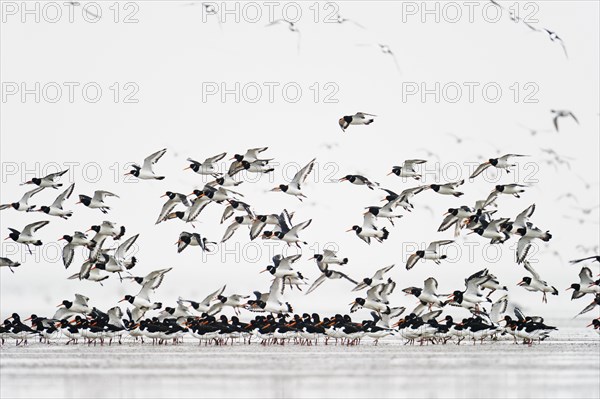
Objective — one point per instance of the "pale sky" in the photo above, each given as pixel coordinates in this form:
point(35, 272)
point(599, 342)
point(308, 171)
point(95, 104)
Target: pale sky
point(170, 56)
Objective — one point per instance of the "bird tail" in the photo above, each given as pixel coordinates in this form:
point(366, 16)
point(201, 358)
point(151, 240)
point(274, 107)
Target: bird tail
point(37, 243)
point(157, 305)
point(554, 291)
point(457, 194)
point(369, 121)
point(344, 261)
point(289, 307)
point(160, 178)
point(386, 233)
point(547, 236)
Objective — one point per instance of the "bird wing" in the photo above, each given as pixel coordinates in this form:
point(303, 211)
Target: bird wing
point(435, 245)
point(374, 293)
point(363, 115)
point(369, 221)
point(531, 270)
point(230, 230)
point(480, 169)
point(343, 275)
point(197, 206)
point(145, 291)
point(100, 195)
point(409, 164)
point(585, 277)
point(81, 300)
point(152, 159)
point(300, 226)
point(317, 283)
point(431, 286)
point(256, 228)
point(498, 308)
point(53, 176)
point(300, 177)
point(121, 252)
point(33, 227)
point(214, 159)
point(210, 297)
point(581, 260)
point(68, 253)
point(412, 261)
point(448, 222)
point(523, 246)
point(379, 273)
point(63, 196)
point(275, 291)
point(490, 199)
point(523, 217)
point(30, 194)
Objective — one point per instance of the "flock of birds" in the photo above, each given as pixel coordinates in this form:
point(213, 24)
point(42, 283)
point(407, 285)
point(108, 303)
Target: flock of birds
point(277, 322)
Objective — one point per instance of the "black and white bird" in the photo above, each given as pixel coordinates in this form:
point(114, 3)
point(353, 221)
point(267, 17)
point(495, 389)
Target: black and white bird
point(142, 299)
point(154, 278)
point(502, 162)
point(48, 181)
point(427, 295)
point(204, 305)
point(236, 205)
point(535, 283)
point(369, 230)
point(287, 232)
point(67, 308)
point(260, 222)
point(23, 204)
point(329, 257)
point(432, 252)
point(493, 230)
point(562, 113)
point(26, 235)
point(360, 181)
point(235, 301)
point(5, 262)
point(192, 212)
point(56, 209)
point(331, 275)
point(295, 186)
point(172, 202)
point(97, 201)
point(403, 199)
point(360, 118)
point(513, 189)
point(193, 239)
point(377, 279)
point(448, 188)
point(586, 284)
point(78, 239)
point(385, 212)
point(528, 234)
point(245, 220)
point(145, 171)
point(208, 167)
point(408, 169)
point(251, 155)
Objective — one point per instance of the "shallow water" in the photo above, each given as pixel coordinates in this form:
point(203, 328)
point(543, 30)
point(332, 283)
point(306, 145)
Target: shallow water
point(567, 365)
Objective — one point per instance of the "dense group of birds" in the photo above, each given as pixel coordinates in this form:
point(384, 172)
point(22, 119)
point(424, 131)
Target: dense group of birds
point(274, 321)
